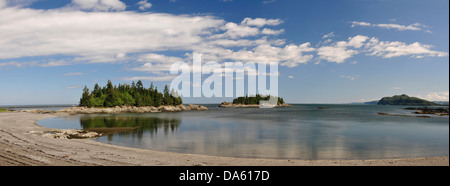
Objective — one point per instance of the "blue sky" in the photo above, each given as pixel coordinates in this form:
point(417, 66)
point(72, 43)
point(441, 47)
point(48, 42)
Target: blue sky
point(329, 51)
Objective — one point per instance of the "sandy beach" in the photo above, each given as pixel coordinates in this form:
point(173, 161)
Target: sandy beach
point(22, 144)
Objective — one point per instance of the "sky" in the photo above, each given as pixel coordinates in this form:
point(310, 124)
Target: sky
point(328, 51)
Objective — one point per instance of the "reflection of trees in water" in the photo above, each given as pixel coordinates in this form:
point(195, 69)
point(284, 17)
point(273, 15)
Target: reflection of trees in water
point(142, 124)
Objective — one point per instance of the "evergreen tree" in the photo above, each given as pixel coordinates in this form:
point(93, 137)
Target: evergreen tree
point(84, 100)
point(109, 102)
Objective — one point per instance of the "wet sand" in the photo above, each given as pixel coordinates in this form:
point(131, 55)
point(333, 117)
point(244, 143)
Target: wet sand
point(22, 144)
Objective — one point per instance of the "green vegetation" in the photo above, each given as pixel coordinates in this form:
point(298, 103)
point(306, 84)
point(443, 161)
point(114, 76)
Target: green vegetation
point(127, 95)
point(252, 100)
point(3, 110)
point(405, 100)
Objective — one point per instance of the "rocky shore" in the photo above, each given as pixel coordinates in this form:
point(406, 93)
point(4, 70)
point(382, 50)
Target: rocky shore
point(124, 109)
point(426, 110)
point(231, 105)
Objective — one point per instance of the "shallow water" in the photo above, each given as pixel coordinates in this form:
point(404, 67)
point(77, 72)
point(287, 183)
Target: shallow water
point(300, 132)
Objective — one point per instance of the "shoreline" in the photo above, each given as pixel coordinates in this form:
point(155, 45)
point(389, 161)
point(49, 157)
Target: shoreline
point(22, 143)
point(123, 109)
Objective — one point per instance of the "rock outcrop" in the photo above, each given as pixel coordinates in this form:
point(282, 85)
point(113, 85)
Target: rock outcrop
point(426, 110)
point(68, 134)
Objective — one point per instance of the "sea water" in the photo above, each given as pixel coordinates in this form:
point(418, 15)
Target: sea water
point(308, 132)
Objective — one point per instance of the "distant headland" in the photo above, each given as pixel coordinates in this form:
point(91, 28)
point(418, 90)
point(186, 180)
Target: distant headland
point(405, 100)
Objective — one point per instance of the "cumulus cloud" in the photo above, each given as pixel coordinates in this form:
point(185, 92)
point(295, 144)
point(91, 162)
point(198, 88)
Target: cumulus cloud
point(107, 34)
point(235, 31)
point(339, 51)
point(392, 49)
point(97, 36)
point(268, 31)
point(250, 27)
point(260, 22)
point(3, 3)
point(144, 5)
point(99, 5)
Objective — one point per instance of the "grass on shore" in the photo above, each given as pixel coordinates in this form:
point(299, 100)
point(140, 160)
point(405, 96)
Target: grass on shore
point(3, 110)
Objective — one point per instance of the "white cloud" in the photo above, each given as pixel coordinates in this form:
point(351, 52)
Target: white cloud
point(249, 27)
point(97, 36)
point(437, 96)
point(413, 27)
point(158, 58)
point(235, 31)
point(291, 77)
point(339, 51)
point(16, 3)
point(126, 36)
point(144, 5)
point(335, 53)
point(3, 3)
point(331, 34)
point(99, 5)
point(290, 55)
point(260, 22)
point(356, 23)
point(357, 41)
point(156, 63)
point(268, 31)
point(396, 49)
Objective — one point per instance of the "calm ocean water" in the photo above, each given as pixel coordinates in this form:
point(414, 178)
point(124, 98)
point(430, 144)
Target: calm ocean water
point(300, 132)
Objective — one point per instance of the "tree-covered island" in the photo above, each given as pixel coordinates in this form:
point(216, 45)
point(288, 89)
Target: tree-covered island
point(253, 101)
point(128, 95)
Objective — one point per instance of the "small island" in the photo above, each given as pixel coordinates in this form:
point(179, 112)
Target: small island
point(252, 102)
point(132, 98)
